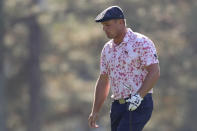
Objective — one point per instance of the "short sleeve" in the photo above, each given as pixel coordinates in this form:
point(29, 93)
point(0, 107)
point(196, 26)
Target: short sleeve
point(103, 63)
point(148, 53)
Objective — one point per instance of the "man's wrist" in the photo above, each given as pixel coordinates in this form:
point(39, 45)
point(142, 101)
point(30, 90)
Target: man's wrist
point(94, 112)
point(139, 96)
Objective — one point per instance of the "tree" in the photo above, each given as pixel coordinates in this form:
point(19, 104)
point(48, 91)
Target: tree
point(35, 118)
point(2, 76)
point(34, 74)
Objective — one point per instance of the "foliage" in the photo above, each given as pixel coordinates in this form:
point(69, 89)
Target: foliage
point(69, 60)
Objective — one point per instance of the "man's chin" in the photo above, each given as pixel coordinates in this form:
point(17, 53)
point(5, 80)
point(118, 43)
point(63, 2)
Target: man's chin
point(110, 37)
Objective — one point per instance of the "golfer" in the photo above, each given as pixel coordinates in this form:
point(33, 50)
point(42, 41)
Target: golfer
point(129, 66)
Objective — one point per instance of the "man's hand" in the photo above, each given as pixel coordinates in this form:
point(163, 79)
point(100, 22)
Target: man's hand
point(134, 102)
point(92, 120)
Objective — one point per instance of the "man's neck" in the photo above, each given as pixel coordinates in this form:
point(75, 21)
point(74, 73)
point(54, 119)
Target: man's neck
point(120, 37)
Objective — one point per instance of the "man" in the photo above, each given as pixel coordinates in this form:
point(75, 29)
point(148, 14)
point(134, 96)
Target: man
point(129, 66)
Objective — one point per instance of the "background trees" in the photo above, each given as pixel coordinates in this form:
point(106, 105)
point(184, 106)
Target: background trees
point(49, 62)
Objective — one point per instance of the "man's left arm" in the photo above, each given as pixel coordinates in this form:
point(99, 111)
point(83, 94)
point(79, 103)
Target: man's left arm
point(150, 79)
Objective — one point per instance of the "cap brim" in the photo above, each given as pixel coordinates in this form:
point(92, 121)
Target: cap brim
point(106, 19)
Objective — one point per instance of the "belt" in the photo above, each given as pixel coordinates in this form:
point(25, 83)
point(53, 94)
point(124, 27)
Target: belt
point(121, 101)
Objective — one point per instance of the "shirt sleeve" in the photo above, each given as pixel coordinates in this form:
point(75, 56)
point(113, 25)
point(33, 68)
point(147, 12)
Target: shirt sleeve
point(148, 53)
point(103, 63)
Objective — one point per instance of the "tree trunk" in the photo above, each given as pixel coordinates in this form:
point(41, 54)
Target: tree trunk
point(2, 77)
point(35, 117)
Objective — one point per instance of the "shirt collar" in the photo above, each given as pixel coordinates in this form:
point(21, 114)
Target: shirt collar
point(129, 36)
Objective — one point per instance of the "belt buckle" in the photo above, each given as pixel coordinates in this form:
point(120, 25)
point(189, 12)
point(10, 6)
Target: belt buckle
point(121, 101)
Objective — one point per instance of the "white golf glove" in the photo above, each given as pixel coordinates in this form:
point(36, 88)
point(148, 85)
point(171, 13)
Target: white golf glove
point(134, 102)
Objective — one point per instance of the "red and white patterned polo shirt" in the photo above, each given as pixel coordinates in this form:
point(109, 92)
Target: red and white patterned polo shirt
point(125, 63)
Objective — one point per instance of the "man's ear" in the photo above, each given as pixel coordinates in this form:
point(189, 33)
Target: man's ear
point(122, 21)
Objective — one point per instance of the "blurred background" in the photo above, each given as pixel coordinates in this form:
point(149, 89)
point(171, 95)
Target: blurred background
point(49, 62)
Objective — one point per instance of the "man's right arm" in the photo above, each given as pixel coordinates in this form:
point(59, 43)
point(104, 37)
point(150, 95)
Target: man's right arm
point(101, 93)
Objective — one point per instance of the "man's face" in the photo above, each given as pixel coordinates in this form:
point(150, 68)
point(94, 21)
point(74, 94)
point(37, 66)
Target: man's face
point(111, 28)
